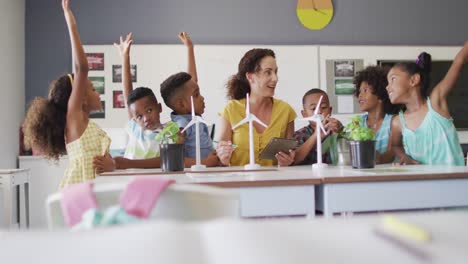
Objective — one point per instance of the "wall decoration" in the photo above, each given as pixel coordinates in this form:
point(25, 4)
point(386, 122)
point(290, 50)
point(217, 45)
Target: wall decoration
point(99, 114)
point(314, 14)
point(118, 99)
point(344, 68)
point(98, 83)
point(340, 74)
point(95, 61)
point(344, 86)
point(117, 73)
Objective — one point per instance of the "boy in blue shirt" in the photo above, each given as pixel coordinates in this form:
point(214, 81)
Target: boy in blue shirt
point(176, 91)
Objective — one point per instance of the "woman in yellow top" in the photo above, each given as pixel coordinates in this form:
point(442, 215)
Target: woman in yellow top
point(257, 76)
point(60, 124)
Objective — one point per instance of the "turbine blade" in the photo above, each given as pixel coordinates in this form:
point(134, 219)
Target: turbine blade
point(191, 123)
point(247, 105)
point(193, 108)
point(243, 121)
point(254, 118)
point(318, 105)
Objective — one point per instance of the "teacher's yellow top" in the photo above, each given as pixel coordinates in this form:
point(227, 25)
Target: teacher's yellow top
point(281, 115)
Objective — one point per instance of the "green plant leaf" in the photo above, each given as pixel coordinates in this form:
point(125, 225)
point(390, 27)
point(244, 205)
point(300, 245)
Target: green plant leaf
point(354, 131)
point(168, 134)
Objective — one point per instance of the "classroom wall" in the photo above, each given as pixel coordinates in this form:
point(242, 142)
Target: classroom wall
point(356, 22)
point(12, 75)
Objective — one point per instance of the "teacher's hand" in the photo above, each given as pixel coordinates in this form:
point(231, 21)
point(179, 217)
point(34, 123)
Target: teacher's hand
point(224, 151)
point(286, 159)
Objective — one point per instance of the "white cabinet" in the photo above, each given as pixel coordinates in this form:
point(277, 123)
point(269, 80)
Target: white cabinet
point(45, 177)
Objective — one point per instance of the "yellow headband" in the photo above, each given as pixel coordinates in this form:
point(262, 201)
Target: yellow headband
point(71, 78)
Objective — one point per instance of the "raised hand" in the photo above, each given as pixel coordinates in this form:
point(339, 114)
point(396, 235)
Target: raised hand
point(67, 12)
point(185, 38)
point(464, 52)
point(124, 45)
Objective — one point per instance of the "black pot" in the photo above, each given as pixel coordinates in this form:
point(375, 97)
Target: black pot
point(362, 154)
point(172, 157)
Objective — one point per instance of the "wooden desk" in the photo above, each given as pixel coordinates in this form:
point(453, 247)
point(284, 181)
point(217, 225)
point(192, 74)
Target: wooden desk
point(10, 180)
point(391, 188)
point(271, 191)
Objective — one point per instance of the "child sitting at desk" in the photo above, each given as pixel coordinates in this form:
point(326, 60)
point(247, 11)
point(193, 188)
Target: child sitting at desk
point(176, 92)
point(371, 84)
point(307, 137)
point(424, 133)
point(143, 125)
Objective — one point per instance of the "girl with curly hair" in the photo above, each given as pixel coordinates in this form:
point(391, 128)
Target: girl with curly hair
point(373, 98)
point(60, 124)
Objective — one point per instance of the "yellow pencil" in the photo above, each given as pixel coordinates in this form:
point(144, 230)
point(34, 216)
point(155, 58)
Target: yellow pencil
point(410, 231)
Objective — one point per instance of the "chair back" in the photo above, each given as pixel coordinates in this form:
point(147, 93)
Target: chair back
point(186, 202)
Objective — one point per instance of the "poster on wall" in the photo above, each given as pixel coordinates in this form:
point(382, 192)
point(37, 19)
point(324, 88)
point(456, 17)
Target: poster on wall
point(117, 73)
point(344, 68)
point(344, 86)
point(98, 83)
point(95, 61)
point(118, 99)
point(340, 86)
point(99, 114)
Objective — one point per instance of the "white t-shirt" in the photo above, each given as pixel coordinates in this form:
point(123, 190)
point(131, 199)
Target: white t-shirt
point(142, 144)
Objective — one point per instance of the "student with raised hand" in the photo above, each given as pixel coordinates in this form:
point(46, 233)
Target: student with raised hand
point(257, 75)
point(60, 124)
point(176, 92)
point(371, 84)
point(144, 124)
point(306, 153)
point(424, 133)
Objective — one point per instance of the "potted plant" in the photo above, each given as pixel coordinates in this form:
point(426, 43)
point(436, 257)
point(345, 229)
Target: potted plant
point(361, 144)
point(171, 148)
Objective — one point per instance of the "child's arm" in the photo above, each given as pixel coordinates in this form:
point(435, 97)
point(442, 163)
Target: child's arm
point(441, 90)
point(103, 163)
point(224, 148)
point(397, 143)
point(124, 163)
point(388, 156)
point(303, 150)
point(124, 50)
point(75, 124)
point(191, 66)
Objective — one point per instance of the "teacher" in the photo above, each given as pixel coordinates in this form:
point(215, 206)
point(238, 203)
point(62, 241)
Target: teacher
point(257, 75)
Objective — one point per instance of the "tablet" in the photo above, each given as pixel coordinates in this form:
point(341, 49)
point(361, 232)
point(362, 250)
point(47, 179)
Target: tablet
point(276, 145)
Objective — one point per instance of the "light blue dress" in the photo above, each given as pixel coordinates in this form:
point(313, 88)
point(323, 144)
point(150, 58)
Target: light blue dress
point(434, 142)
point(383, 134)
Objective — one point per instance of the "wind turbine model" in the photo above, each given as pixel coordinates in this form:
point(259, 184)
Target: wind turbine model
point(250, 118)
point(196, 121)
point(317, 118)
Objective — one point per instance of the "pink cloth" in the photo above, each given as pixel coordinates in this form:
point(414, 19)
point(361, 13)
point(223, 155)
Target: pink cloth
point(77, 199)
point(140, 196)
point(137, 199)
